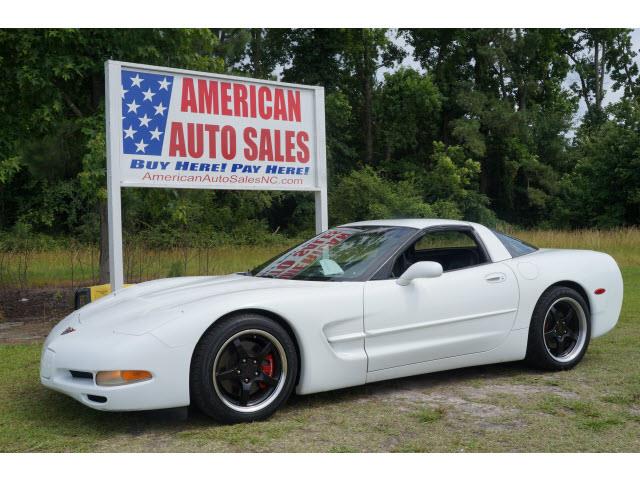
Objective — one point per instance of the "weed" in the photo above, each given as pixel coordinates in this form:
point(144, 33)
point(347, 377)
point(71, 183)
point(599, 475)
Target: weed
point(430, 415)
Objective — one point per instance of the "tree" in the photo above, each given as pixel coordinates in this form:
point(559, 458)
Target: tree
point(486, 130)
point(342, 59)
point(504, 102)
point(595, 53)
point(56, 77)
point(604, 188)
point(365, 51)
point(263, 53)
point(452, 180)
point(364, 194)
point(407, 116)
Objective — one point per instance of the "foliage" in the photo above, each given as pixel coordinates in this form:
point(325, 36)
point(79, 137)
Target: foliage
point(407, 117)
point(604, 187)
point(453, 178)
point(364, 194)
point(505, 103)
point(485, 130)
point(53, 148)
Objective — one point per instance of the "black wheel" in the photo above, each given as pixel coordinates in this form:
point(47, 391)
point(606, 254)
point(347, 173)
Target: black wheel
point(243, 369)
point(560, 330)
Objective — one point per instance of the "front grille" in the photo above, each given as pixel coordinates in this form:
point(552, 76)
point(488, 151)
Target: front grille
point(78, 374)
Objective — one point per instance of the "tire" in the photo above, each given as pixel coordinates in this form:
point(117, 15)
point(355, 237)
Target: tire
point(236, 376)
point(560, 330)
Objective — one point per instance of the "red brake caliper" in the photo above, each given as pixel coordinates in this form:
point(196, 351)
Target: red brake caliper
point(267, 369)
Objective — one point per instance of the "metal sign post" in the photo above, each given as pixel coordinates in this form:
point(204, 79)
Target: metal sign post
point(173, 128)
point(113, 113)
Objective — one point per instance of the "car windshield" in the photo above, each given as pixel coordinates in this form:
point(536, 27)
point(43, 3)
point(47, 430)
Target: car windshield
point(339, 254)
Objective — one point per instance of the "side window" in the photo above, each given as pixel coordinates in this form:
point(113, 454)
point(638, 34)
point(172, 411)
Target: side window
point(453, 249)
point(514, 246)
point(445, 239)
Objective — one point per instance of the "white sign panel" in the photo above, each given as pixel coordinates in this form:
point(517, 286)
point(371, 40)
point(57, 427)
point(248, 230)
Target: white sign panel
point(197, 130)
point(175, 128)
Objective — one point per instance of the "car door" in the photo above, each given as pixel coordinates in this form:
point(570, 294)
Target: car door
point(466, 310)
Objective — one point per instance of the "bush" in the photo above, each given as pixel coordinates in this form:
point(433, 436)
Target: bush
point(364, 194)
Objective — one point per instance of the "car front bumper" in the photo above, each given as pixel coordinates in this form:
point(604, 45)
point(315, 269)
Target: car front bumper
point(168, 388)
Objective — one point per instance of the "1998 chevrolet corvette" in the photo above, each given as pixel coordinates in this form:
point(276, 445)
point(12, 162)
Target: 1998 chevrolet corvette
point(359, 303)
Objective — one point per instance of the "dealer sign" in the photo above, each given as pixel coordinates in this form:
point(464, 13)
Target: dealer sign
point(183, 129)
point(190, 129)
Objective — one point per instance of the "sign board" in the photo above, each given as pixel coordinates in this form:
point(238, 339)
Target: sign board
point(171, 128)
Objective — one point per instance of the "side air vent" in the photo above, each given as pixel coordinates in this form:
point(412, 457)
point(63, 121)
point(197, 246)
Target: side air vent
point(97, 398)
point(78, 374)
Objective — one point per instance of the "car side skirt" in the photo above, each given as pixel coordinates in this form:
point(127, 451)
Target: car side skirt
point(512, 349)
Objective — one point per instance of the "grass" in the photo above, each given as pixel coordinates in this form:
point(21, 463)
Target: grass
point(430, 415)
point(506, 407)
point(584, 414)
point(623, 244)
point(79, 266)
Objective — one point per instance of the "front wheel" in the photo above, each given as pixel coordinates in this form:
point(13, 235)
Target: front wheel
point(560, 330)
point(243, 369)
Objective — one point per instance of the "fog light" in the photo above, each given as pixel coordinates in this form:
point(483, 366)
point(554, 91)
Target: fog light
point(114, 378)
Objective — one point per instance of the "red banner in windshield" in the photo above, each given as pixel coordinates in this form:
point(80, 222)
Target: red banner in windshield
point(306, 254)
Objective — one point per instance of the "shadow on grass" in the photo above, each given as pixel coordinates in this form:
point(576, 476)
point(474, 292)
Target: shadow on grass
point(485, 373)
point(67, 410)
point(38, 419)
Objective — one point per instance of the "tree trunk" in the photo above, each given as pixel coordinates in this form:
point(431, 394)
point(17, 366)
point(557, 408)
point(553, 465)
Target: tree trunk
point(256, 60)
point(366, 75)
point(596, 67)
point(368, 120)
point(104, 243)
point(601, 73)
point(484, 175)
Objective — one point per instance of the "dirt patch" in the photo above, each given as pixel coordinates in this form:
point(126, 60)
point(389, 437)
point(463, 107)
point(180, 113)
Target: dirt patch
point(453, 401)
point(473, 405)
point(35, 304)
point(28, 315)
point(517, 390)
point(25, 332)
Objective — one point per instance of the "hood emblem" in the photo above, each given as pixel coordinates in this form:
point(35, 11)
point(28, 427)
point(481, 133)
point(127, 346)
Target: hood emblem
point(68, 330)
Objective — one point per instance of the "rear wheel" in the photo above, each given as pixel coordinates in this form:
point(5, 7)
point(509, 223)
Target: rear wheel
point(560, 330)
point(243, 369)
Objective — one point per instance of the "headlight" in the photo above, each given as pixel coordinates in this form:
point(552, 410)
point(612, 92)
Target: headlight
point(114, 378)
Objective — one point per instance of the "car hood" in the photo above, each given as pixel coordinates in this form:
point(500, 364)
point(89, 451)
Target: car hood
point(142, 307)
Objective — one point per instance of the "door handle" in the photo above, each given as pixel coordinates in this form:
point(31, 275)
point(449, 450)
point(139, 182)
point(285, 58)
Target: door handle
point(495, 277)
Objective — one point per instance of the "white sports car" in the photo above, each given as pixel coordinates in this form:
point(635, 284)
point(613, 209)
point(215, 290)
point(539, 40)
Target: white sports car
point(359, 303)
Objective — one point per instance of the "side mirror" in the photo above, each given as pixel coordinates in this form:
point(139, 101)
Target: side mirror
point(420, 270)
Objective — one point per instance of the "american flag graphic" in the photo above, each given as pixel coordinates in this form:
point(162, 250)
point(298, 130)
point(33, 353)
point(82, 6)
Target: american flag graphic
point(145, 106)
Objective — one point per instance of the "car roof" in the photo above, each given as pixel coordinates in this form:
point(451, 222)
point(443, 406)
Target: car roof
point(418, 223)
point(497, 251)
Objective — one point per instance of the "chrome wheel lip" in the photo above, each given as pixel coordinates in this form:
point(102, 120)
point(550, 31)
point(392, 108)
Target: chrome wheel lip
point(582, 330)
point(281, 381)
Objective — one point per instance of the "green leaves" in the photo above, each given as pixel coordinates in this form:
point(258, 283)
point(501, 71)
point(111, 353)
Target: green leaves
point(52, 155)
point(604, 187)
point(407, 115)
point(8, 168)
point(482, 129)
point(364, 194)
